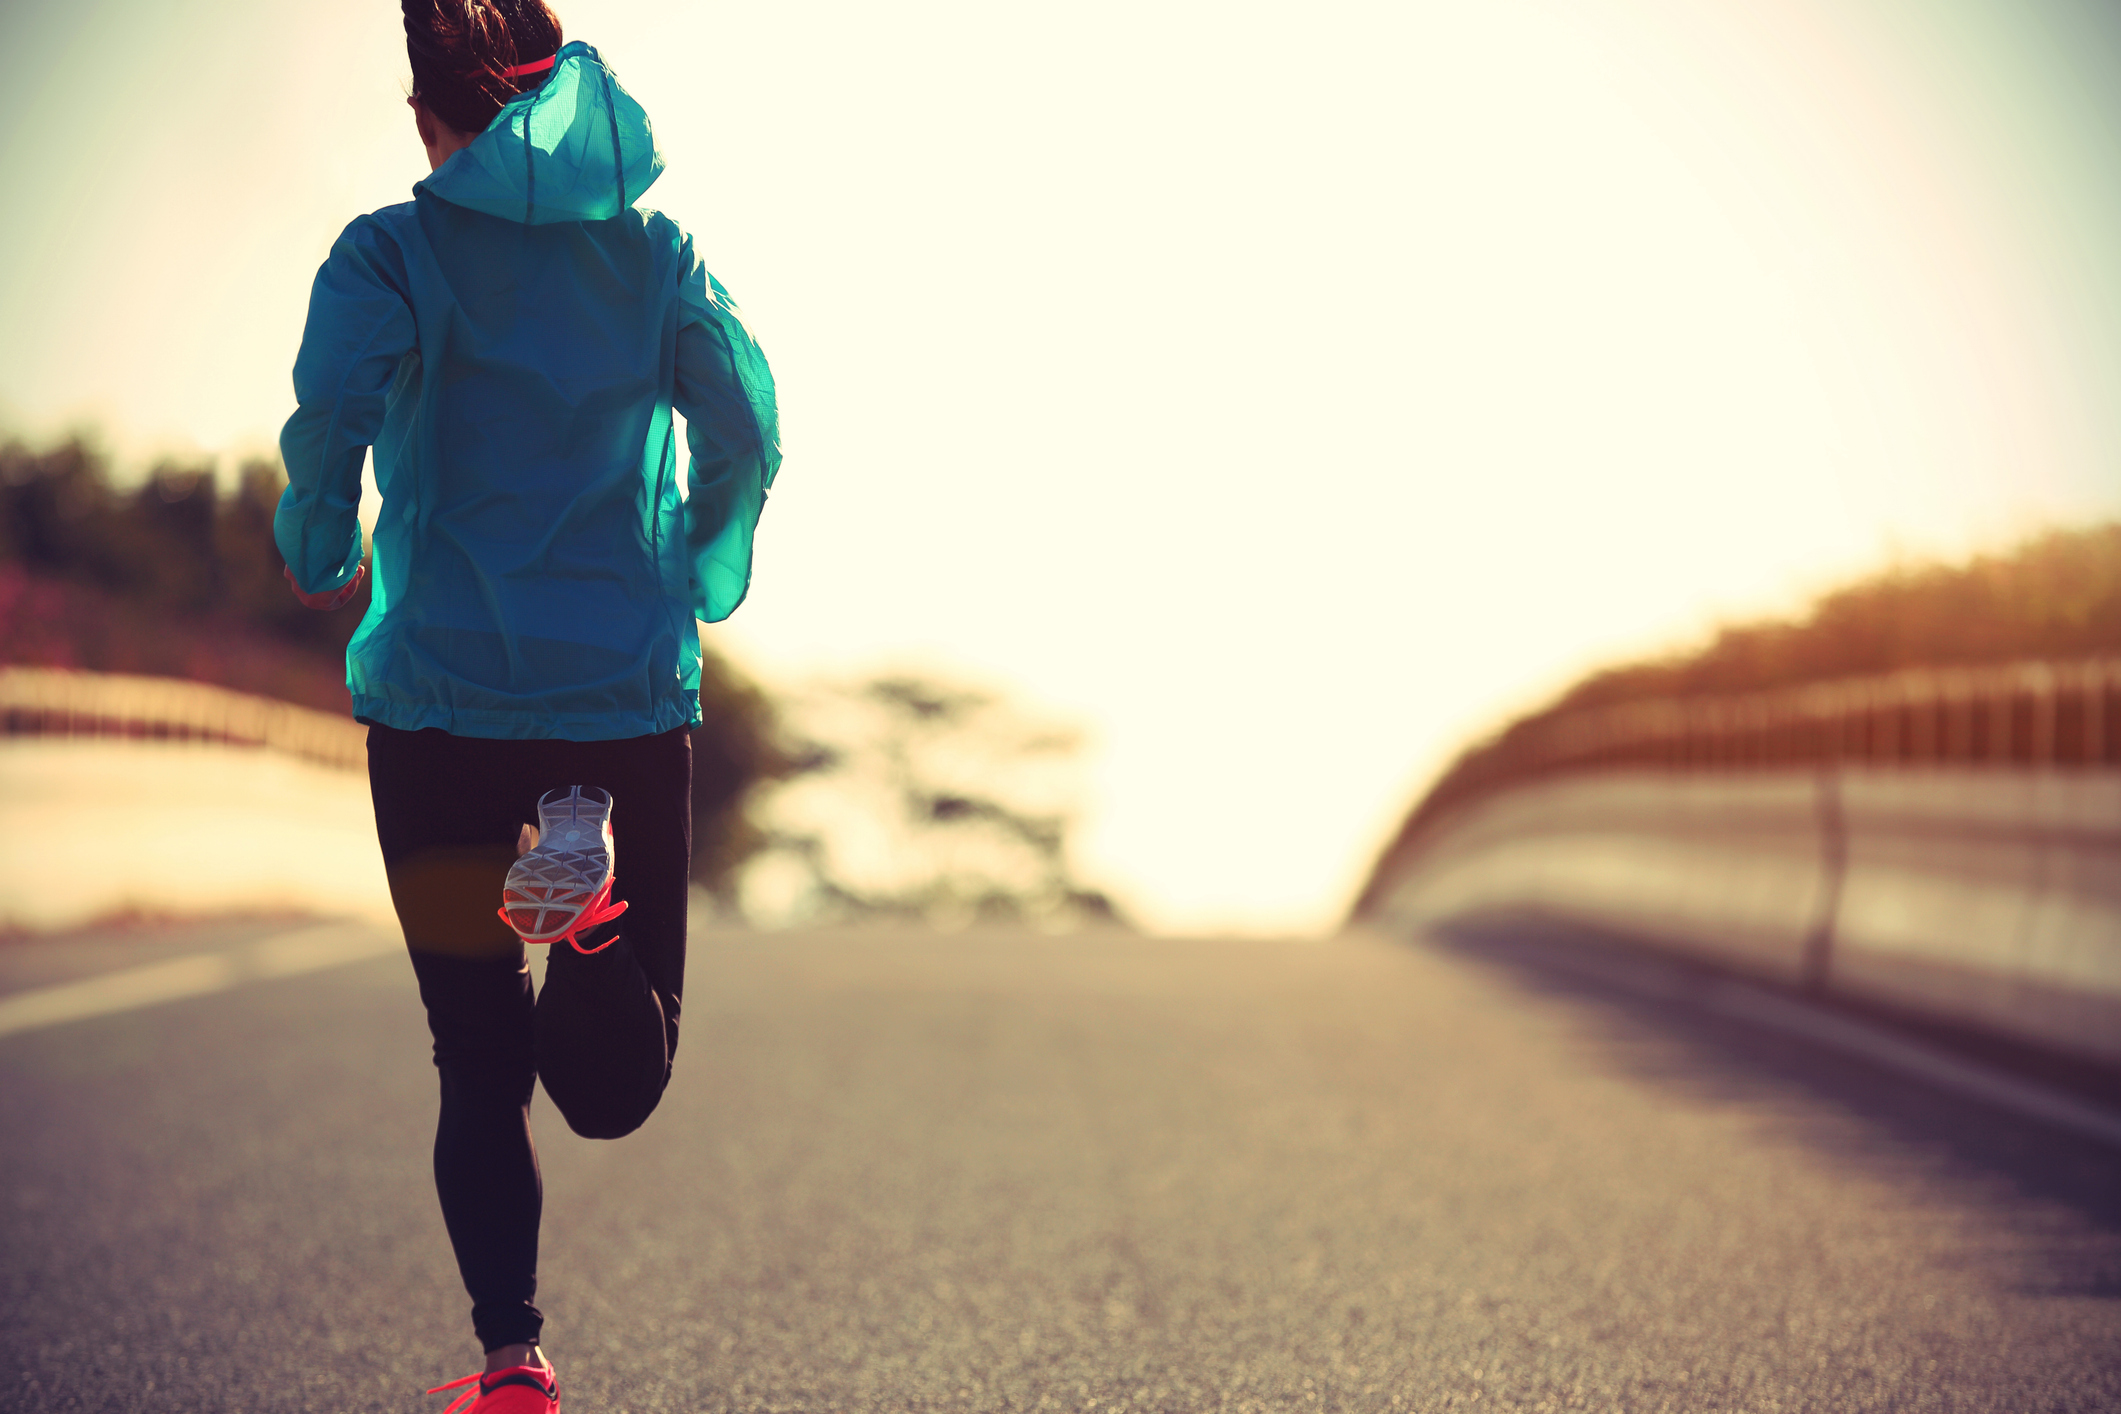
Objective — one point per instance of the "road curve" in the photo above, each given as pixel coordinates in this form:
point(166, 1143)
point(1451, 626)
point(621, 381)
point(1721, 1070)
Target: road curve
point(998, 1172)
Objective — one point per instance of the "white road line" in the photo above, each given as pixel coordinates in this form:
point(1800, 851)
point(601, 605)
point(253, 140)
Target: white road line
point(311, 949)
point(289, 954)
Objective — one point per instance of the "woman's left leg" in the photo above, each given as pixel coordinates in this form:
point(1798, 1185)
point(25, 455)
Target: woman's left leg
point(446, 832)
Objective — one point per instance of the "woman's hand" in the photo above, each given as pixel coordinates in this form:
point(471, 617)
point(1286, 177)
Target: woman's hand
point(336, 598)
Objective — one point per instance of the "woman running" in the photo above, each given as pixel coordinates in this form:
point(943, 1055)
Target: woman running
point(512, 342)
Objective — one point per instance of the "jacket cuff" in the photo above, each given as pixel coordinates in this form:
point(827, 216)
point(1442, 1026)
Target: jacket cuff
point(330, 599)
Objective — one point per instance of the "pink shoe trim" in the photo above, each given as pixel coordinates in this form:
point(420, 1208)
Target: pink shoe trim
point(477, 1389)
point(598, 910)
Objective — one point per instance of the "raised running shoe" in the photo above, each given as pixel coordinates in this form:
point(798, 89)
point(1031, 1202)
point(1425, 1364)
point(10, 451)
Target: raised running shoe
point(521, 1389)
point(561, 886)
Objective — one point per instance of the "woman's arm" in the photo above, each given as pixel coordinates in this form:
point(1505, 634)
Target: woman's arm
point(359, 329)
point(732, 427)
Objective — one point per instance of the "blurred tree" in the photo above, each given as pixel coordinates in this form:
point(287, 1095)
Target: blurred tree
point(171, 520)
point(735, 753)
point(56, 511)
point(915, 799)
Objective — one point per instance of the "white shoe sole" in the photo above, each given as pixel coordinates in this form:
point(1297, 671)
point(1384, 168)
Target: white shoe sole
point(567, 872)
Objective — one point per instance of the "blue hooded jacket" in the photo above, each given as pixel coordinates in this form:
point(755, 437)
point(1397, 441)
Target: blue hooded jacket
point(511, 342)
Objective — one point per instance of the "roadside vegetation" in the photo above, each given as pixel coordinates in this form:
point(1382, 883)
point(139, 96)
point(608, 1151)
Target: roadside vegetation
point(2057, 595)
point(926, 801)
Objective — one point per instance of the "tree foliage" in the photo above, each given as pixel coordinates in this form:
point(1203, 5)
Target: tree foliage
point(921, 800)
point(2057, 595)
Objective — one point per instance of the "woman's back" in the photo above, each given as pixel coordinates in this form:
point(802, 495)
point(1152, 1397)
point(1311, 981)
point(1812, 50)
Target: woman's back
point(513, 341)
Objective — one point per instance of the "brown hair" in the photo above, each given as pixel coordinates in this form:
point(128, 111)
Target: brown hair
point(460, 48)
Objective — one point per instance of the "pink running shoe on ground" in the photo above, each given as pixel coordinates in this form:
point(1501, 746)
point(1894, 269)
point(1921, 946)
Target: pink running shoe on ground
point(561, 886)
point(522, 1389)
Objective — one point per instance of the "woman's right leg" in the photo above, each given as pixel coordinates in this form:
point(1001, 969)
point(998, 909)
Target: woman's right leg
point(607, 1025)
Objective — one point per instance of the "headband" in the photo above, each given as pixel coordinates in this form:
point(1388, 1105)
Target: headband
point(536, 66)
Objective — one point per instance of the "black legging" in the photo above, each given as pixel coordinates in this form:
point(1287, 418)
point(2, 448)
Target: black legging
point(602, 1032)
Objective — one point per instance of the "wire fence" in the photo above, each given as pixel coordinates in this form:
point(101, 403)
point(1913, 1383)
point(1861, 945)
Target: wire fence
point(58, 702)
point(2062, 715)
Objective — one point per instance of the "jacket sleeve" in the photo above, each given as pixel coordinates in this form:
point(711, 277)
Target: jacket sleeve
point(359, 329)
point(725, 392)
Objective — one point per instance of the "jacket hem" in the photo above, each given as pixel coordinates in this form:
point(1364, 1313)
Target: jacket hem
point(530, 723)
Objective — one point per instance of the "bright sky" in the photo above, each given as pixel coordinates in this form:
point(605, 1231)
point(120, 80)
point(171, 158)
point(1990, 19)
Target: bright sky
point(1282, 392)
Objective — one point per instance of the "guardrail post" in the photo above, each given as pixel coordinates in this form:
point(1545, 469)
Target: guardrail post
point(1831, 821)
point(1921, 693)
point(1885, 725)
point(1959, 720)
point(2042, 683)
point(2095, 715)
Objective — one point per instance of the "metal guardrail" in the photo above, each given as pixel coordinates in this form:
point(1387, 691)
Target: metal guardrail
point(2039, 715)
point(2026, 714)
point(65, 703)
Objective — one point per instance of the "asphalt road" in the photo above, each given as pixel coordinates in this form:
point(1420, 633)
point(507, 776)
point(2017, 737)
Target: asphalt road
point(904, 1172)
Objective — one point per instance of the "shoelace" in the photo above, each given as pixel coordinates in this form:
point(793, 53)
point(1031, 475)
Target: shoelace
point(463, 1401)
point(599, 910)
point(468, 1398)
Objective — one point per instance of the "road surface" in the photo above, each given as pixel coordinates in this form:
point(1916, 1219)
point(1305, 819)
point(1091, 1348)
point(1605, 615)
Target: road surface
point(1004, 1172)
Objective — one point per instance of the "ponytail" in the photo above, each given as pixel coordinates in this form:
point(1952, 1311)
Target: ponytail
point(461, 51)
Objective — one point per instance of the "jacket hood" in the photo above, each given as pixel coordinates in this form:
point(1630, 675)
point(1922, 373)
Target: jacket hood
point(576, 148)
